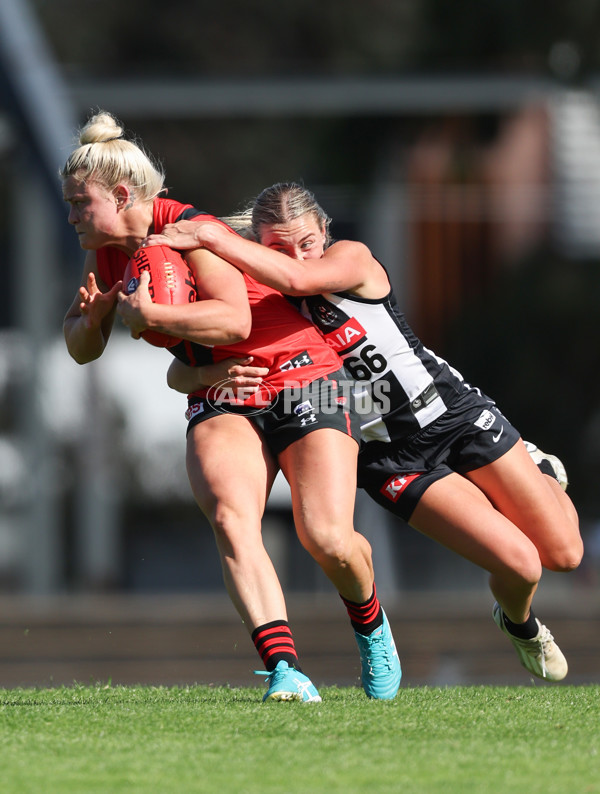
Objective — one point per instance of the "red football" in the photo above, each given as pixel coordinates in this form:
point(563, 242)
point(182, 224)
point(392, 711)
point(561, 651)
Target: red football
point(171, 282)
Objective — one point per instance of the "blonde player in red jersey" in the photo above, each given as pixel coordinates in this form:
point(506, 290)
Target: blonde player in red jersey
point(301, 419)
point(439, 454)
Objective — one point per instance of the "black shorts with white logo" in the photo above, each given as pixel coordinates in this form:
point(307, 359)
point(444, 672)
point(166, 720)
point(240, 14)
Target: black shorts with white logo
point(470, 434)
point(326, 402)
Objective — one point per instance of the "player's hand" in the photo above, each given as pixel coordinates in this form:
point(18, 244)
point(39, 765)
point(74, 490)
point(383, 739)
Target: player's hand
point(235, 373)
point(183, 235)
point(96, 305)
point(134, 309)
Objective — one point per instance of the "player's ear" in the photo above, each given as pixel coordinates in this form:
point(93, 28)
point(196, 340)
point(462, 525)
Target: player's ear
point(122, 196)
point(323, 231)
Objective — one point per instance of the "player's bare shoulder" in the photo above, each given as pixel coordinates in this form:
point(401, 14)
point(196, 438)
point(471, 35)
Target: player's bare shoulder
point(352, 248)
point(370, 277)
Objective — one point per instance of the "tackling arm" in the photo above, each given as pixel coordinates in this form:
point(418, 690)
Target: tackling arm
point(346, 265)
point(238, 372)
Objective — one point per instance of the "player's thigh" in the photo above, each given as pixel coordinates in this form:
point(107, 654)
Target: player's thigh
point(528, 498)
point(321, 471)
point(455, 513)
point(229, 465)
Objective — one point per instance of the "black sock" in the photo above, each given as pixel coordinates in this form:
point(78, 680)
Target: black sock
point(524, 631)
point(547, 468)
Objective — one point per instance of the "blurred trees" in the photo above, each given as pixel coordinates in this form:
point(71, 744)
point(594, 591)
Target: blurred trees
point(267, 37)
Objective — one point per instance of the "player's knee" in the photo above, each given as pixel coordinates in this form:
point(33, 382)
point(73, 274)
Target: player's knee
point(565, 559)
point(329, 549)
point(526, 568)
point(531, 574)
point(230, 527)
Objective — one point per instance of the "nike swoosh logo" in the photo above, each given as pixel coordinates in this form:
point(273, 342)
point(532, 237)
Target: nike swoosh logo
point(495, 439)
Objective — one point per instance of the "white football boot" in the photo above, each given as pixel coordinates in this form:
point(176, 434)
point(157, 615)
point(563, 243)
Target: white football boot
point(540, 655)
point(557, 465)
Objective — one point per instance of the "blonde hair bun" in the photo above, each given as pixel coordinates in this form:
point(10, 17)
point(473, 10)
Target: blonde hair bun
point(100, 128)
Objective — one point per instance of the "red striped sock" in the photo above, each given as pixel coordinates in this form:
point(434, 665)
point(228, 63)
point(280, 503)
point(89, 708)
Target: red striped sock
point(274, 643)
point(365, 618)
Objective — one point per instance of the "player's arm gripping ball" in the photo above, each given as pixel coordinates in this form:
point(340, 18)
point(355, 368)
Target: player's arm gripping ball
point(171, 282)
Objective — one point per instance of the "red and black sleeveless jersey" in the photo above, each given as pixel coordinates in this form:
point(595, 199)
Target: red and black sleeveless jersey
point(112, 262)
point(281, 339)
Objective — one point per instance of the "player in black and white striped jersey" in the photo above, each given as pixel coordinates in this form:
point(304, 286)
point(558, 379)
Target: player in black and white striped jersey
point(436, 450)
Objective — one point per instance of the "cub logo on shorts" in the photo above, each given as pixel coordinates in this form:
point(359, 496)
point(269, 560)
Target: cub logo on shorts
point(396, 484)
point(486, 420)
point(306, 412)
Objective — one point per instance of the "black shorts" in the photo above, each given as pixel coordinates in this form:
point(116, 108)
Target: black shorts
point(470, 434)
point(326, 402)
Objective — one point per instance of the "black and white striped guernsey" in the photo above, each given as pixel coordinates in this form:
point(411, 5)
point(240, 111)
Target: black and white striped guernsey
point(410, 384)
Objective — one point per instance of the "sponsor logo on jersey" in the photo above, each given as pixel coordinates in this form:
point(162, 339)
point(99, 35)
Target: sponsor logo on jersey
point(347, 336)
point(427, 396)
point(396, 485)
point(301, 360)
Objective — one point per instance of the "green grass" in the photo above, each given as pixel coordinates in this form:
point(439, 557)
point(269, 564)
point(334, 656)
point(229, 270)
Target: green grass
point(472, 740)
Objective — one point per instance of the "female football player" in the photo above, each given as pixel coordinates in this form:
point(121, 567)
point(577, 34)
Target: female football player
point(234, 447)
point(437, 452)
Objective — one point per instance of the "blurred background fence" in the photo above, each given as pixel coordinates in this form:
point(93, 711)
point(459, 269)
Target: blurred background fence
point(463, 148)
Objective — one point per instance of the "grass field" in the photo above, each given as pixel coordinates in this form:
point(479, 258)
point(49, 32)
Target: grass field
point(159, 740)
